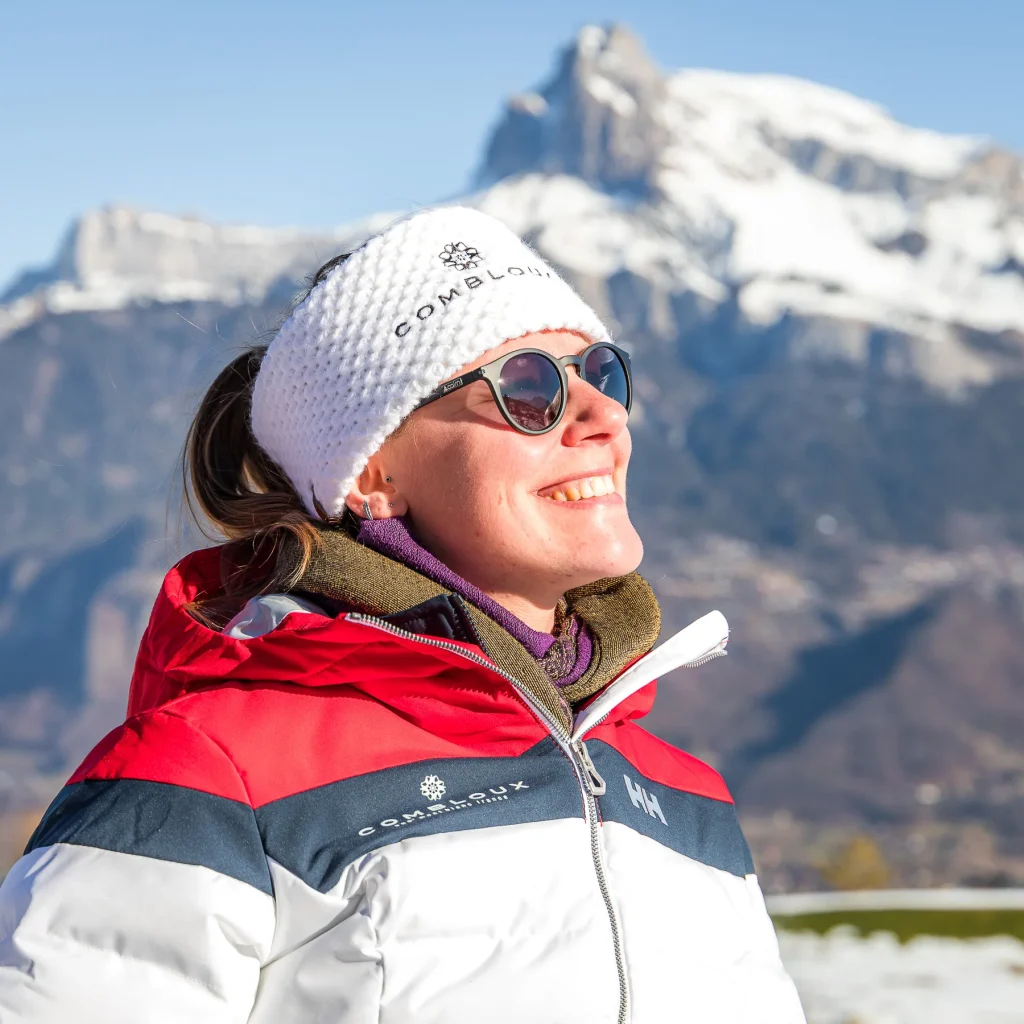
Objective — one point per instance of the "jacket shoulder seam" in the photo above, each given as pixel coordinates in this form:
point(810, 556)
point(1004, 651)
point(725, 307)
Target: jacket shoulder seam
point(692, 759)
point(209, 739)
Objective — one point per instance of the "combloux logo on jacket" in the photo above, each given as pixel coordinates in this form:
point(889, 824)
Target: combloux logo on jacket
point(433, 788)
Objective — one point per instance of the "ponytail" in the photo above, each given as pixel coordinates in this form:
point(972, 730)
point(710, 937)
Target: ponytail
point(233, 489)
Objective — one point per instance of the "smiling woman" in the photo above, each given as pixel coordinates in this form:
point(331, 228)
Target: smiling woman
point(381, 760)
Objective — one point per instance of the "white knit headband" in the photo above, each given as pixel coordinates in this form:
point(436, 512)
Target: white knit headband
point(406, 310)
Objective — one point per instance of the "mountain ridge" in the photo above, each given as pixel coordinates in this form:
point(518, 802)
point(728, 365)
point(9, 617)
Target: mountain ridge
point(765, 195)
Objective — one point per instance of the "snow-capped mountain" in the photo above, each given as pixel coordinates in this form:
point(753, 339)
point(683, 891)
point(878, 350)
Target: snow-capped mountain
point(773, 198)
point(116, 257)
point(738, 201)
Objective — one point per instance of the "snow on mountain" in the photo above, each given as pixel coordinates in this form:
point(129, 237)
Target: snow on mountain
point(810, 191)
point(750, 203)
point(723, 109)
point(785, 197)
point(115, 257)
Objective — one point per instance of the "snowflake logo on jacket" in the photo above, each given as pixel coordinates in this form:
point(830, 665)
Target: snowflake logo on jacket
point(433, 788)
point(459, 256)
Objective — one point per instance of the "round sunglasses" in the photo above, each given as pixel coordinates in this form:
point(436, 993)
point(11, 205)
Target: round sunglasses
point(531, 386)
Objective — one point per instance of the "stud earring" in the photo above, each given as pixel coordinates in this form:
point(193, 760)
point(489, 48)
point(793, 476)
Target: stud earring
point(387, 479)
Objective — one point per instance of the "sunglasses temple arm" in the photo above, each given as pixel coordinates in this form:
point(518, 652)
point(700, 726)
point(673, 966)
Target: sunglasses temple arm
point(448, 387)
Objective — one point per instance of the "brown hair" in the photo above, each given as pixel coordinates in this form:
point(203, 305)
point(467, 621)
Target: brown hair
point(234, 490)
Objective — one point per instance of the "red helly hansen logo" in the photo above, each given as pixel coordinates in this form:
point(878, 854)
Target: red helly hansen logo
point(643, 800)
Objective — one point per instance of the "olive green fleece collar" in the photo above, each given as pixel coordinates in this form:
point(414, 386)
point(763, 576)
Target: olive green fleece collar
point(621, 613)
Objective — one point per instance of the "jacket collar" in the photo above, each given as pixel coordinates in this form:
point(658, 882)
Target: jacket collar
point(621, 613)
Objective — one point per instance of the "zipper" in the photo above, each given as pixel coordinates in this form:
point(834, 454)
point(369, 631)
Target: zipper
point(595, 787)
point(596, 783)
point(710, 656)
point(590, 781)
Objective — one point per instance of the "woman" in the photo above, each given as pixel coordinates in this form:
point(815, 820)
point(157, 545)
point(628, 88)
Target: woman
point(380, 761)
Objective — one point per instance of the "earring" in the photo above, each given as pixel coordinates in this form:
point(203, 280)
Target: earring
point(367, 514)
point(391, 504)
point(387, 479)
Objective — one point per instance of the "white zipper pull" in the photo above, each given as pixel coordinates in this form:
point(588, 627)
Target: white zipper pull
point(595, 783)
point(698, 643)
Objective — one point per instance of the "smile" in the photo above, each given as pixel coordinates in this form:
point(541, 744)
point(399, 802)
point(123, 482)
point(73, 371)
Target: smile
point(586, 487)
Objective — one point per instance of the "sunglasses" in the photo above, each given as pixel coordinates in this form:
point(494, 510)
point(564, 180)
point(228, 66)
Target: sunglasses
point(531, 386)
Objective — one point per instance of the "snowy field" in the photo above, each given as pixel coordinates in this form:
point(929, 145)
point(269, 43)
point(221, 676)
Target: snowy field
point(847, 979)
point(851, 976)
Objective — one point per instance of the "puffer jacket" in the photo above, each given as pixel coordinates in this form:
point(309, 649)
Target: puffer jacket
point(345, 821)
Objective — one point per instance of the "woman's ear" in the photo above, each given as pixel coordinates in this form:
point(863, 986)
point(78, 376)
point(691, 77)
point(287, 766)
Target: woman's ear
point(374, 490)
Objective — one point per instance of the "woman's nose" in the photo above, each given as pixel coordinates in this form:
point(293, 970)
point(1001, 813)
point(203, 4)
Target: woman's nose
point(591, 417)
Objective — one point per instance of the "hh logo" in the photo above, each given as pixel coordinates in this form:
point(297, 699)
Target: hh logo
point(642, 799)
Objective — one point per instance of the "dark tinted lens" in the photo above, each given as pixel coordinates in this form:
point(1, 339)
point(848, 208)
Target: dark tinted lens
point(605, 371)
point(532, 390)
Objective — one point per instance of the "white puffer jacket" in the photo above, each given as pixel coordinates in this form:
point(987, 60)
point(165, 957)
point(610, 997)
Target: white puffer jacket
point(340, 821)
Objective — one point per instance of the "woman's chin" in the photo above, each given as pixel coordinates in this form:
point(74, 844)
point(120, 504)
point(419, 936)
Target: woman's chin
point(606, 554)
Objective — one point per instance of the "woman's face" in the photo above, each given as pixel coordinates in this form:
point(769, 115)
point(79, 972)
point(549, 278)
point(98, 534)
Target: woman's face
point(480, 495)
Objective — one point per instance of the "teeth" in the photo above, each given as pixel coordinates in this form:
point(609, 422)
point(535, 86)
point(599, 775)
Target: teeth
point(590, 487)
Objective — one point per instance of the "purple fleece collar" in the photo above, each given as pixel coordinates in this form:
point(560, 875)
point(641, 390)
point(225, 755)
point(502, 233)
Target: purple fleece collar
point(393, 538)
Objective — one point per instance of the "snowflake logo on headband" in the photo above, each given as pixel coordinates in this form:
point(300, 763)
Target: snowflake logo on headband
point(459, 256)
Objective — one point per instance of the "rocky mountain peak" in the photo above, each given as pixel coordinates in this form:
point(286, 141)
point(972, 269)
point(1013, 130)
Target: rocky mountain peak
point(806, 219)
point(595, 119)
point(608, 115)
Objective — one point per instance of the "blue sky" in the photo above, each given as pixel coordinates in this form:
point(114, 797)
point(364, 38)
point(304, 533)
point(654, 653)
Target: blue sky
point(314, 113)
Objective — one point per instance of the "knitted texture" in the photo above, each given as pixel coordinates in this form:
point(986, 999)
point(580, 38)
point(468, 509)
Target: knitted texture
point(407, 310)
